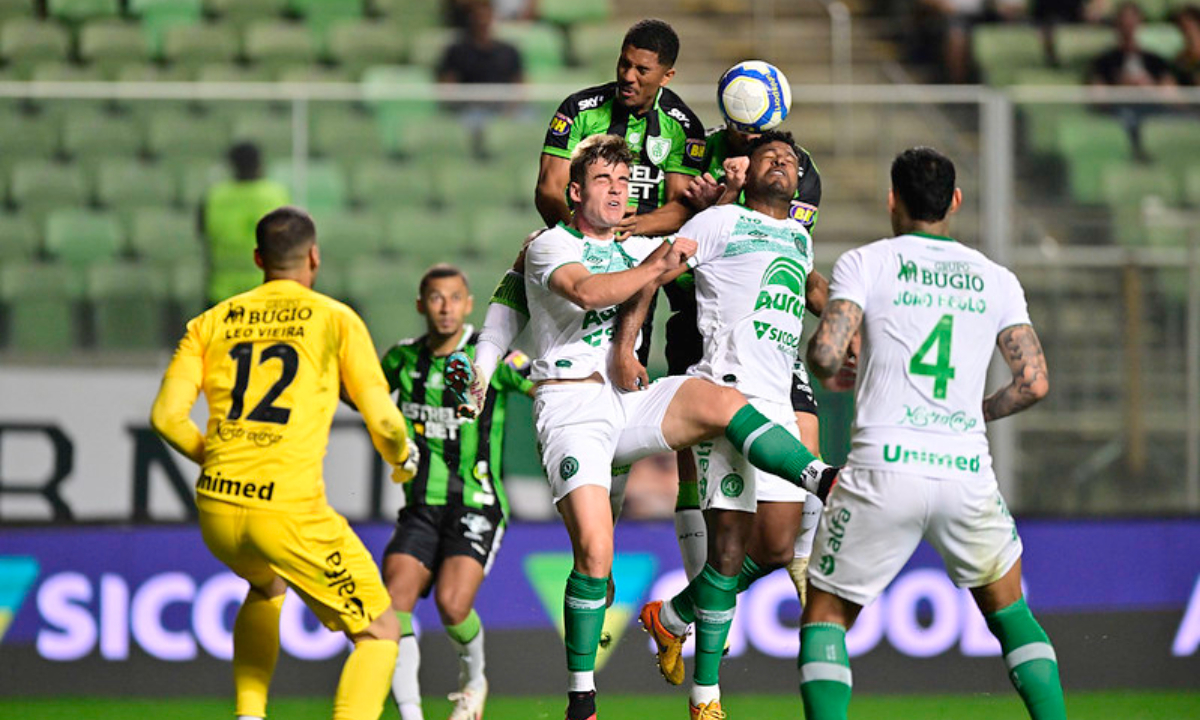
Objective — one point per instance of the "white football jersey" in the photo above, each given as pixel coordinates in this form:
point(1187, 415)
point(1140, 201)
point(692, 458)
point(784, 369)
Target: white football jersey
point(751, 272)
point(566, 341)
point(932, 309)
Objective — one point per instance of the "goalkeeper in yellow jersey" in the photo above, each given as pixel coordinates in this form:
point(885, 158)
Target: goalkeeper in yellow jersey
point(272, 363)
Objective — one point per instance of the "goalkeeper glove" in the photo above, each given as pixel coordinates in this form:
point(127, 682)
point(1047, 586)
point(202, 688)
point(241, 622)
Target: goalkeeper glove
point(463, 379)
point(407, 470)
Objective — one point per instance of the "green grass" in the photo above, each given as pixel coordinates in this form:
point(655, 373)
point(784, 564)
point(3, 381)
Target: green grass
point(1126, 705)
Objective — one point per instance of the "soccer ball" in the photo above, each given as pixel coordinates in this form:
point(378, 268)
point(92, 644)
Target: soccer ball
point(754, 96)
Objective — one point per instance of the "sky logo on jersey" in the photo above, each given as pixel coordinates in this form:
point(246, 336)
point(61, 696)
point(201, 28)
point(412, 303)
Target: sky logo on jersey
point(17, 575)
point(632, 572)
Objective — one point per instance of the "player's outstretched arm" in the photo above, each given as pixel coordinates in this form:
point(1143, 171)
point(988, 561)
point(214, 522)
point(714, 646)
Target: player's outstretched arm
point(816, 293)
point(170, 418)
point(592, 291)
point(1021, 349)
point(827, 349)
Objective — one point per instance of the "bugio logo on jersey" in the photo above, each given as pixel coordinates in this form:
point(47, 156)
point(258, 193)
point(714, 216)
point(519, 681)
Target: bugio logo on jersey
point(17, 575)
point(787, 274)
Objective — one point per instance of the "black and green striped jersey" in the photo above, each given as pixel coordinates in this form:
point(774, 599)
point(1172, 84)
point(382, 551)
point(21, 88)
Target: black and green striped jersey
point(460, 461)
point(667, 139)
point(808, 193)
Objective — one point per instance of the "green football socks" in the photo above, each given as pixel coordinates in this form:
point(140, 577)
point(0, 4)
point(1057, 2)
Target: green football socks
point(465, 631)
point(1032, 663)
point(583, 619)
point(715, 597)
point(767, 445)
point(825, 680)
point(750, 572)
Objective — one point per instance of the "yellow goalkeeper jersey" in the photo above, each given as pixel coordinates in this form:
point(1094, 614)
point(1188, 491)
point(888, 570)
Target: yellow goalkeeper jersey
point(271, 363)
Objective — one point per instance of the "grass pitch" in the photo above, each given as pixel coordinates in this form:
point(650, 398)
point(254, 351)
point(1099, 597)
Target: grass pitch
point(1127, 705)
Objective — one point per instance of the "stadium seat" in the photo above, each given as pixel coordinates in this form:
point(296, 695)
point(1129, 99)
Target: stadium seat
point(27, 136)
point(91, 136)
point(243, 12)
point(480, 188)
point(278, 45)
point(180, 137)
point(572, 12)
point(233, 73)
point(108, 45)
point(195, 178)
point(1090, 143)
point(15, 9)
point(1173, 142)
point(514, 140)
point(128, 302)
point(165, 238)
point(346, 237)
point(40, 299)
point(427, 48)
point(416, 15)
point(1077, 45)
point(315, 74)
point(597, 47)
point(1042, 121)
point(500, 234)
point(1045, 76)
point(359, 44)
point(192, 46)
point(427, 235)
point(25, 43)
point(38, 186)
point(65, 72)
point(272, 133)
point(324, 187)
point(1125, 188)
point(376, 288)
point(540, 45)
point(337, 130)
point(379, 80)
point(79, 10)
point(1163, 39)
point(1191, 186)
point(1154, 10)
point(383, 185)
point(78, 238)
point(429, 139)
point(123, 184)
point(320, 15)
point(18, 239)
point(1001, 51)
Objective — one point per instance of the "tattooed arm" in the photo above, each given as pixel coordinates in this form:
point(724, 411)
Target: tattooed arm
point(827, 349)
point(1030, 380)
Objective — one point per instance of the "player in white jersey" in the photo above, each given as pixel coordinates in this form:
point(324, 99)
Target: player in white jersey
point(575, 278)
point(752, 267)
point(919, 466)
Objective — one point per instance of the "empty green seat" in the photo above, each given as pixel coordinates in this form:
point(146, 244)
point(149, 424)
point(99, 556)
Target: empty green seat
point(272, 133)
point(1089, 144)
point(15, 9)
point(38, 186)
point(1172, 141)
point(416, 15)
point(18, 239)
point(77, 10)
point(242, 12)
point(315, 74)
point(1077, 45)
point(128, 308)
point(431, 138)
point(25, 43)
point(122, 184)
point(27, 136)
point(509, 140)
point(323, 188)
point(165, 238)
point(40, 299)
point(340, 131)
point(381, 81)
point(540, 45)
point(346, 237)
point(108, 45)
point(382, 291)
point(500, 234)
point(427, 48)
point(357, 45)
point(184, 137)
point(194, 180)
point(80, 237)
point(1003, 50)
point(384, 185)
point(320, 15)
point(470, 186)
point(1046, 76)
point(597, 47)
point(91, 136)
point(571, 12)
point(278, 45)
point(193, 46)
point(1125, 189)
point(1191, 186)
point(159, 16)
point(426, 235)
point(1163, 39)
point(233, 73)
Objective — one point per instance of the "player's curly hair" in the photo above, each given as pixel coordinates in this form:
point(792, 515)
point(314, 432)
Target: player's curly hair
point(598, 148)
point(923, 180)
point(771, 136)
point(657, 36)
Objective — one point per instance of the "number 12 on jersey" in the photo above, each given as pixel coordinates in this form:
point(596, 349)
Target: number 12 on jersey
point(940, 369)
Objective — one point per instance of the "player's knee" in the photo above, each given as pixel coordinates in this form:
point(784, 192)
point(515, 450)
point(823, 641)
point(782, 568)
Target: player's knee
point(453, 605)
point(718, 408)
point(595, 559)
point(384, 627)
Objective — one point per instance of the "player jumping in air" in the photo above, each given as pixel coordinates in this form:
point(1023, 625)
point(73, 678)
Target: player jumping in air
point(930, 311)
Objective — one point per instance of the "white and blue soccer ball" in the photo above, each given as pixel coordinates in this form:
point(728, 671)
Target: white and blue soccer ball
point(754, 96)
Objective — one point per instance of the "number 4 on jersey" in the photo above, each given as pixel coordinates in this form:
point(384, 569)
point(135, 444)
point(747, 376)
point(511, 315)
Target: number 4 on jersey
point(940, 369)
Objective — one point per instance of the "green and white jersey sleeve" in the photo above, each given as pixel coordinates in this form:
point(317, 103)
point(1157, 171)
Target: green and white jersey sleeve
point(931, 312)
point(566, 341)
point(751, 271)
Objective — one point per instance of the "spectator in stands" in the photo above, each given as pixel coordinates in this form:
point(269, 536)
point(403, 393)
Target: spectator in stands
point(477, 56)
point(228, 217)
point(946, 25)
point(459, 11)
point(1128, 65)
point(1187, 62)
point(1049, 14)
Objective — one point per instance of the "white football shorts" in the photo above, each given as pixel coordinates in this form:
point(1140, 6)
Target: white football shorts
point(874, 519)
point(727, 479)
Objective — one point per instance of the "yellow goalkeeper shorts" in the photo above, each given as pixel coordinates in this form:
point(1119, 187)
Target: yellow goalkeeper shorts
point(315, 552)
